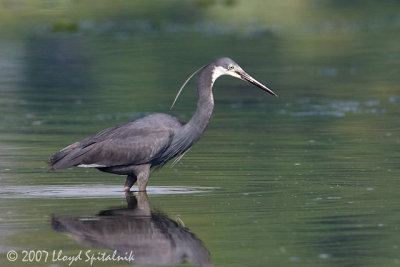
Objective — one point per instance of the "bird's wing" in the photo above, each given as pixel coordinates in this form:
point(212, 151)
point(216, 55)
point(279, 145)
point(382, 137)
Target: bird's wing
point(125, 144)
point(130, 150)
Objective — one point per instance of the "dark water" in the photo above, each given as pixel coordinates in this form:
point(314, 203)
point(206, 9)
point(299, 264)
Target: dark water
point(306, 179)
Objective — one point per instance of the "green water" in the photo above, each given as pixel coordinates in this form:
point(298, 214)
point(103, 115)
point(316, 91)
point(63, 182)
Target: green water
point(306, 179)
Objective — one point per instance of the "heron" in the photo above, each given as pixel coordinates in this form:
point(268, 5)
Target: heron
point(136, 147)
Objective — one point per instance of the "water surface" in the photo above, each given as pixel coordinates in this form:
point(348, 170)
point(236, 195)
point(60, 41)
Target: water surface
point(306, 179)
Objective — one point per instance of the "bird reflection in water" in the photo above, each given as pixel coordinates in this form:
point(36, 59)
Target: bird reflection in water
point(152, 237)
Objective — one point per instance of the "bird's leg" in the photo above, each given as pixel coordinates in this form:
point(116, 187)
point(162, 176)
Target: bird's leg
point(143, 177)
point(130, 180)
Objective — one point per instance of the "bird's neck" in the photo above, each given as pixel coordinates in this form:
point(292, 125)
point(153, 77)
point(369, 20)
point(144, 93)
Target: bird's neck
point(205, 103)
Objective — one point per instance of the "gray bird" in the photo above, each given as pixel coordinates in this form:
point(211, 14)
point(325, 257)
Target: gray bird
point(135, 147)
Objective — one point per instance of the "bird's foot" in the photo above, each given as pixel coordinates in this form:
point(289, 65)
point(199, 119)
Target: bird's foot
point(130, 181)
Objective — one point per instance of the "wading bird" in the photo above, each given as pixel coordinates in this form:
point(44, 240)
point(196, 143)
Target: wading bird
point(133, 148)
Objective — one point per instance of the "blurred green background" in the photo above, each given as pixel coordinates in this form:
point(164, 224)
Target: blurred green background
point(306, 179)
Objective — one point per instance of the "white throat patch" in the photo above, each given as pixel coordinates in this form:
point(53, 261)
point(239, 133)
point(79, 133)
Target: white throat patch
point(217, 72)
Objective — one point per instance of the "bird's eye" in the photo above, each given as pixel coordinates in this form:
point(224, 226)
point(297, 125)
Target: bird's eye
point(230, 67)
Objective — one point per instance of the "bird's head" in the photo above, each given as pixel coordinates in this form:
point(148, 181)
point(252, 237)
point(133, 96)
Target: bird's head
point(226, 66)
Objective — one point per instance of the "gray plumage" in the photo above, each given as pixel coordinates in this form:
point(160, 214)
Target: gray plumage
point(133, 148)
point(116, 146)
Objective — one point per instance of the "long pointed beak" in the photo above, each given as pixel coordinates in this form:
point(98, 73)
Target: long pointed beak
point(244, 76)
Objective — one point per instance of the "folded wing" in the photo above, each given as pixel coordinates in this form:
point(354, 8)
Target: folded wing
point(133, 143)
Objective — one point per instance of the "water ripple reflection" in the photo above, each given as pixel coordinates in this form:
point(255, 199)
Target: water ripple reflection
point(90, 191)
point(335, 108)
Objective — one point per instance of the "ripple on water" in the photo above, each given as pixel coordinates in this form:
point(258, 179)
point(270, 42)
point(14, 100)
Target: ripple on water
point(91, 191)
point(305, 108)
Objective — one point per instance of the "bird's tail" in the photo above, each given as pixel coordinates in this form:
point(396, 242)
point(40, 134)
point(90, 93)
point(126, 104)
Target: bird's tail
point(56, 161)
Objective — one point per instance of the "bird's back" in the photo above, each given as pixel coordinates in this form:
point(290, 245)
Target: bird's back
point(137, 142)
